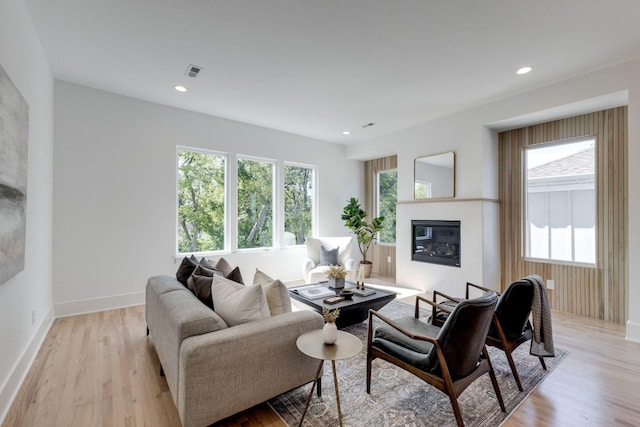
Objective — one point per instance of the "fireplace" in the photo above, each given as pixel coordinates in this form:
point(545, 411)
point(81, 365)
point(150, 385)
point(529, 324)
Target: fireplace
point(437, 242)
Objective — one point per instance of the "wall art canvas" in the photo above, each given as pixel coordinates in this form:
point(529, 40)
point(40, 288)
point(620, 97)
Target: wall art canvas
point(14, 138)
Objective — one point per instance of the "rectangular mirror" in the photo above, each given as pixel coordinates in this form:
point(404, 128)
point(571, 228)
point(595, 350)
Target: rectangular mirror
point(435, 176)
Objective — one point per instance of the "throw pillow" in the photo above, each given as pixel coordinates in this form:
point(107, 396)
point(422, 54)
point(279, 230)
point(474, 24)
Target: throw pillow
point(238, 304)
point(186, 268)
point(206, 264)
point(261, 278)
point(224, 267)
point(204, 271)
point(201, 288)
point(235, 275)
point(277, 294)
point(328, 256)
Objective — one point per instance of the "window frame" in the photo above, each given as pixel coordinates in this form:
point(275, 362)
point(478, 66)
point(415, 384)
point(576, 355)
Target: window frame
point(377, 203)
point(225, 156)
point(525, 211)
point(314, 201)
point(275, 211)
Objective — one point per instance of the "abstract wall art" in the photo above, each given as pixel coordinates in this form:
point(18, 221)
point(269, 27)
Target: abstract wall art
point(14, 138)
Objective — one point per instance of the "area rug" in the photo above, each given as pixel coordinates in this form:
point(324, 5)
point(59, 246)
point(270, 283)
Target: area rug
point(400, 399)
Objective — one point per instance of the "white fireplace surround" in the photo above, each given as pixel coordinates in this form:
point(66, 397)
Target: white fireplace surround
point(479, 240)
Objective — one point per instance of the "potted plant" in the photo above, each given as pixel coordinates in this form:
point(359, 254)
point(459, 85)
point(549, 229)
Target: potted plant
point(354, 219)
point(336, 275)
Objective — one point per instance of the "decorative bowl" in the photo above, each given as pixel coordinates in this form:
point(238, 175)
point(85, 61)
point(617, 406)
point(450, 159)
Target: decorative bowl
point(346, 294)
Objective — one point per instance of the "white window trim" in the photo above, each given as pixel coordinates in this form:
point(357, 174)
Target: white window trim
point(275, 211)
point(377, 202)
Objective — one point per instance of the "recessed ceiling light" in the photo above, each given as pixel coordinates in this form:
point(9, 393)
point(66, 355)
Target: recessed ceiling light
point(346, 132)
point(524, 70)
point(180, 88)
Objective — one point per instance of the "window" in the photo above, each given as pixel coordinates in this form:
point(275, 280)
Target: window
point(201, 201)
point(560, 201)
point(386, 202)
point(298, 203)
point(255, 203)
point(273, 199)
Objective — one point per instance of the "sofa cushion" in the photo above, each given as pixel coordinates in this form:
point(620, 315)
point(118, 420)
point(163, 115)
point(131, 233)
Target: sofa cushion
point(277, 294)
point(328, 256)
point(186, 268)
point(238, 304)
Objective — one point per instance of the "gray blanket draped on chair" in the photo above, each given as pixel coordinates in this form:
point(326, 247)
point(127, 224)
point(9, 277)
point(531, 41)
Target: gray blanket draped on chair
point(542, 342)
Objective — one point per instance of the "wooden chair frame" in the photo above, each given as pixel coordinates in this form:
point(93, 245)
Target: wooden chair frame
point(444, 383)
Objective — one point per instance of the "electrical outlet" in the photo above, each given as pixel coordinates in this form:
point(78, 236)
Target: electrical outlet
point(551, 284)
point(389, 259)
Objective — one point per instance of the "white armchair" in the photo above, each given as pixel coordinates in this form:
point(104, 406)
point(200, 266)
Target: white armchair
point(312, 271)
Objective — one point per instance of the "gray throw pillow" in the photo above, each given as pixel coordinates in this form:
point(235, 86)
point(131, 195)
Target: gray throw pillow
point(328, 256)
point(201, 288)
point(187, 266)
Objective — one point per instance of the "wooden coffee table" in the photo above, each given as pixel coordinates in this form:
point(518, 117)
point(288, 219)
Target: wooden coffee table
point(352, 311)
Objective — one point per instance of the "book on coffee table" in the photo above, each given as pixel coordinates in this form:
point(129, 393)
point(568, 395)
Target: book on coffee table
point(315, 292)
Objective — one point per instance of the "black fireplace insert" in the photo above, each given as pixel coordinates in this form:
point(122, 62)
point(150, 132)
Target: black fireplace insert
point(437, 242)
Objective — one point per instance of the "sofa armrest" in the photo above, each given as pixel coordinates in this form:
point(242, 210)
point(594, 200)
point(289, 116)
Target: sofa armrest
point(230, 370)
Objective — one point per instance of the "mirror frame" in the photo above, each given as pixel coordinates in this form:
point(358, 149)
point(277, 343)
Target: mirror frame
point(450, 195)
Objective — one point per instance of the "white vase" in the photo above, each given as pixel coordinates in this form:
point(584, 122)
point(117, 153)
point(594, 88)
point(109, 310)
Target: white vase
point(330, 333)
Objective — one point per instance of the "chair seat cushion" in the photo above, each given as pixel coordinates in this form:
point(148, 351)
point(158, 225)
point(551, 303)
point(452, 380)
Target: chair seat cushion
point(395, 343)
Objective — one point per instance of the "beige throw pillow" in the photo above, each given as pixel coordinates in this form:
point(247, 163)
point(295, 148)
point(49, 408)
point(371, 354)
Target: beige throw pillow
point(276, 292)
point(238, 304)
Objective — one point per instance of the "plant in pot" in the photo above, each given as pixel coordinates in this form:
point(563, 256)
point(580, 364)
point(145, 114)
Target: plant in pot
point(336, 275)
point(354, 219)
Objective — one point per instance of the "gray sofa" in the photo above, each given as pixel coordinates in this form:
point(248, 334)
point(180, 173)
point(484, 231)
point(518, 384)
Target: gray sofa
point(215, 371)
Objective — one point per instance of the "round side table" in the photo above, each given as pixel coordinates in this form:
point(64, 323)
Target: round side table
point(311, 344)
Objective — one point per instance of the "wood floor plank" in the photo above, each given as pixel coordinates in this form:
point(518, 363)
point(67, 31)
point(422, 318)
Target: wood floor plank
point(101, 369)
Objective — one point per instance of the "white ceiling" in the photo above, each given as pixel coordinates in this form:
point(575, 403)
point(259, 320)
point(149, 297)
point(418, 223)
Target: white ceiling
point(319, 67)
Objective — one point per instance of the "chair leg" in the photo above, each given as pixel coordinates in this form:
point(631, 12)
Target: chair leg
point(513, 368)
point(456, 409)
point(369, 360)
point(494, 381)
point(544, 365)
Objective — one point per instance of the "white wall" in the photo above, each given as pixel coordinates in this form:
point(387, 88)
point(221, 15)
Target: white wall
point(29, 292)
point(470, 135)
point(115, 192)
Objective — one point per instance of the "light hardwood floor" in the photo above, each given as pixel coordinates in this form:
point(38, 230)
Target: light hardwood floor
point(101, 370)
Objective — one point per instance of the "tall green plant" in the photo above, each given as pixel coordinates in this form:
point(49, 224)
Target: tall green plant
point(354, 219)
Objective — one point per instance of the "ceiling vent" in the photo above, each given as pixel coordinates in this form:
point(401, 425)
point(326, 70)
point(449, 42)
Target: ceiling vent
point(368, 125)
point(193, 70)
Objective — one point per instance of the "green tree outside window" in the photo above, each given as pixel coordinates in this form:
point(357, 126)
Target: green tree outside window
point(255, 204)
point(387, 198)
point(201, 194)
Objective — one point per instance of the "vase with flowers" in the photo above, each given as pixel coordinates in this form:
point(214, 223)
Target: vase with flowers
point(330, 330)
point(336, 275)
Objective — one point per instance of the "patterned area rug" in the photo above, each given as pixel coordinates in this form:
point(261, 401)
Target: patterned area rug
point(400, 399)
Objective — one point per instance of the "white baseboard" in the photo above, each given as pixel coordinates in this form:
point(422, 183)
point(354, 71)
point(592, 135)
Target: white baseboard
point(72, 308)
point(19, 372)
point(633, 331)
